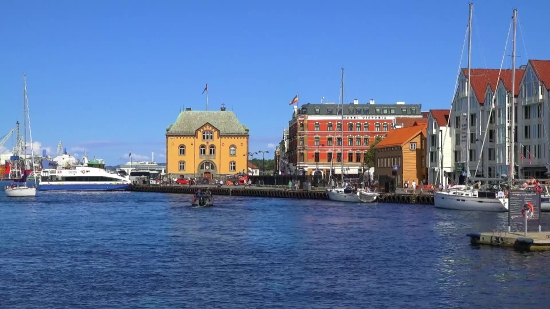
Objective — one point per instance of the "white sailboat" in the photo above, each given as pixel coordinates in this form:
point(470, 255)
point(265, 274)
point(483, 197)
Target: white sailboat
point(345, 193)
point(19, 188)
point(463, 197)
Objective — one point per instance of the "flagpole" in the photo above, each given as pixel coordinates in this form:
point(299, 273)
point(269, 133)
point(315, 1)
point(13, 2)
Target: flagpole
point(206, 96)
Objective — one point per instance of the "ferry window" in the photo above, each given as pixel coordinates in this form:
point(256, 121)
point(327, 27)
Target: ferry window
point(202, 150)
point(182, 150)
point(232, 150)
point(181, 166)
point(232, 166)
point(207, 135)
point(212, 149)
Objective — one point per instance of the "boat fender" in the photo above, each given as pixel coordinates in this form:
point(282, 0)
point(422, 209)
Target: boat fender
point(528, 210)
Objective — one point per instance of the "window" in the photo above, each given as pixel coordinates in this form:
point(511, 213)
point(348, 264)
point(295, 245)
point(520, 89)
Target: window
point(384, 111)
point(339, 157)
point(329, 141)
point(358, 157)
point(317, 141)
point(413, 146)
point(232, 150)
point(392, 110)
point(301, 158)
point(358, 127)
point(206, 166)
point(432, 156)
point(423, 161)
point(233, 166)
point(202, 150)
point(385, 125)
point(316, 157)
point(317, 126)
point(366, 127)
point(350, 126)
point(338, 141)
point(317, 110)
point(357, 141)
point(181, 165)
point(350, 156)
point(329, 156)
point(491, 136)
point(212, 150)
point(339, 126)
point(491, 154)
point(350, 141)
point(329, 126)
point(365, 141)
point(207, 135)
point(301, 126)
point(329, 111)
point(182, 150)
point(377, 127)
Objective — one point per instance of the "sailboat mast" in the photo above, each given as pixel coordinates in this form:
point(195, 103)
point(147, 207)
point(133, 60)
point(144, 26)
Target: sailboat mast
point(469, 90)
point(513, 105)
point(342, 126)
point(24, 118)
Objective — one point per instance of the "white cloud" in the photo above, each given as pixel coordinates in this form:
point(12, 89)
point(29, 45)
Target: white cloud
point(78, 149)
point(160, 155)
point(37, 148)
point(271, 145)
point(3, 149)
point(138, 157)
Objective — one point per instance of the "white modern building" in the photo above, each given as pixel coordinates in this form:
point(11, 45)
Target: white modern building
point(440, 147)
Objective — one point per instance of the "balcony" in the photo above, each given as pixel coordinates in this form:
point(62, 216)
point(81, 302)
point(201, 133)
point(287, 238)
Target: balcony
point(207, 157)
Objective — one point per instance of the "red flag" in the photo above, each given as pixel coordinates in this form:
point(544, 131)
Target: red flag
point(205, 88)
point(530, 158)
point(522, 157)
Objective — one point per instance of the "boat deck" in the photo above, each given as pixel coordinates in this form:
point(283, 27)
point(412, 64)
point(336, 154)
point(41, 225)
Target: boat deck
point(534, 241)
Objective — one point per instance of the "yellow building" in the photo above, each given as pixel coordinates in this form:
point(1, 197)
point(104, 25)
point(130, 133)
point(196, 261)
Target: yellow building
point(206, 144)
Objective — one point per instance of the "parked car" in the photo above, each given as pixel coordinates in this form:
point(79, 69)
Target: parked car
point(183, 181)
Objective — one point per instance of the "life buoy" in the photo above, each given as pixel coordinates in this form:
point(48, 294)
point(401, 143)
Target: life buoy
point(83, 172)
point(528, 210)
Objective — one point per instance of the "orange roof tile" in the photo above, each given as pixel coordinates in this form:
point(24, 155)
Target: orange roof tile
point(482, 77)
point(252, 166)
point(542, 69)
point(441, 116)
point(398, 137)
point(409, 122)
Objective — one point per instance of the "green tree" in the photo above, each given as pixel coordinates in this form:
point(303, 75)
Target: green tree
point(369, 155)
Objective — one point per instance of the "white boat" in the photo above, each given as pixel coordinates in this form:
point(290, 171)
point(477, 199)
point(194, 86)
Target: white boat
point(20, 188)
point(82, 178)
point(463, 198)
point(352, 196)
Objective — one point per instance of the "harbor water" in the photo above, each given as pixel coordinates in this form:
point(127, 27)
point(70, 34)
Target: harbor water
point(152, 250)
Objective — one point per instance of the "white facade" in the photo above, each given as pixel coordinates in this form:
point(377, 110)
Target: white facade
point(532, 154)
point(439, 151)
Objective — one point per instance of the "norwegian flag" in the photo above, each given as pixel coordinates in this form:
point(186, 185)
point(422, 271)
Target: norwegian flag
point(530, 158)
point(522, 157)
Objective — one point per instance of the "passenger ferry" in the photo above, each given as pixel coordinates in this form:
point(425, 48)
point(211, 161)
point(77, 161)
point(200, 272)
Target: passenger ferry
point(90, 176)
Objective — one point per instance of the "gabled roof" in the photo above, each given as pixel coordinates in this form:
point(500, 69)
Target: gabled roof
point(252, 166)
point(188, 122)
point(399, 137)
point(542, 69)
point(441, 116)
point(410, 121)
point(481, 78)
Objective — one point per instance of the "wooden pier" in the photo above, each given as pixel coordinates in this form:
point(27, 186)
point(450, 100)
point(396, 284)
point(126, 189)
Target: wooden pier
point(278, 192)
point(534, 241)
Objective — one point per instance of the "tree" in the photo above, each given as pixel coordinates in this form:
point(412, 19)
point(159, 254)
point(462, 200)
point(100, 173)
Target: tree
point(369, 155)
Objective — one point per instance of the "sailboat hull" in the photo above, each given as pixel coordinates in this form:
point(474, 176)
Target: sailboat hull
point(22, 191)
point(471, 203)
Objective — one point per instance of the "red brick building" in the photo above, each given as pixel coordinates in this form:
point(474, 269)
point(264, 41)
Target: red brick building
point(316, 142)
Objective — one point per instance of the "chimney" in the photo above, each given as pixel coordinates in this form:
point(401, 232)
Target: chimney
point(223, 107)
point(355, 101)
point(523, 67)
point(371, 101)
point(188, 108)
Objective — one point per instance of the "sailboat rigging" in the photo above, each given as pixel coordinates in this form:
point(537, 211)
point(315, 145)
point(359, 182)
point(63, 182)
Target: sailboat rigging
point(19, 187)
point(462, 197)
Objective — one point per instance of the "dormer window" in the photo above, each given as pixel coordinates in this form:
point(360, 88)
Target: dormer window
point(329, 111)
point(317, 110)
point(207, 135)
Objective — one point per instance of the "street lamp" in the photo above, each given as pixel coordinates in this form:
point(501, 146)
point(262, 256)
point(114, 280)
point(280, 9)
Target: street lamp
point(251, 155)
point(263, 152)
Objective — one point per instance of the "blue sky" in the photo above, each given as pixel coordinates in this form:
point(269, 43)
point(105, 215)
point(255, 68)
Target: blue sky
point(110, 76)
